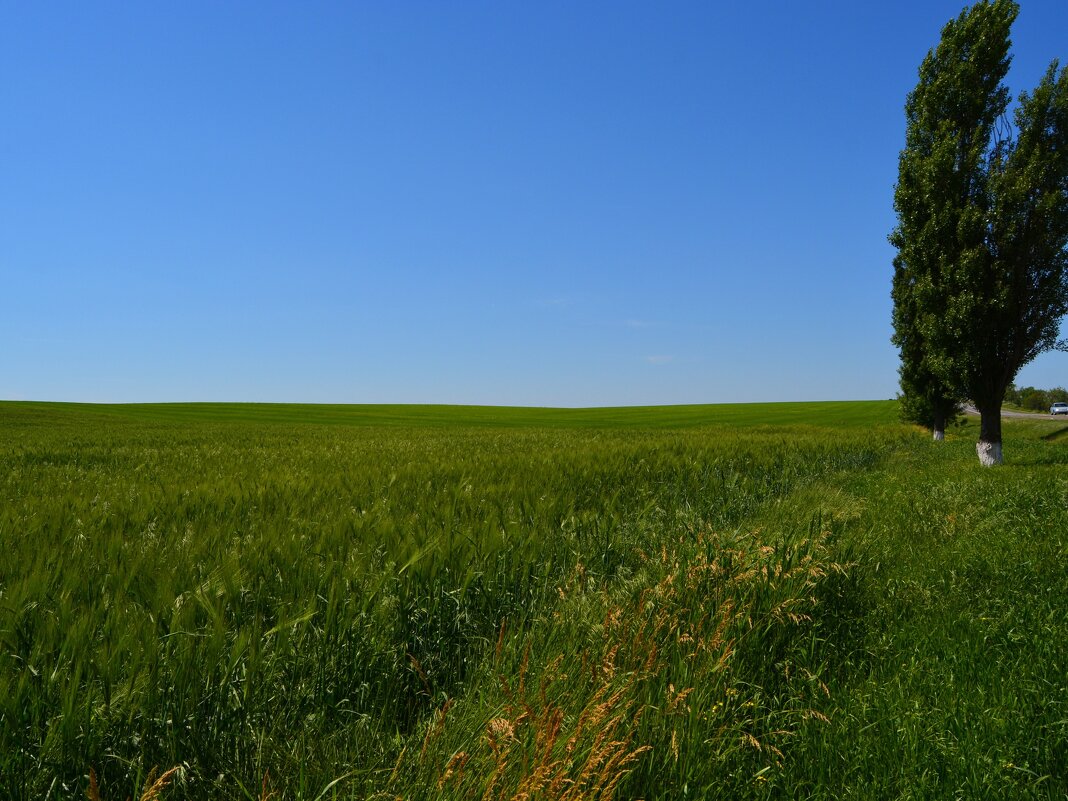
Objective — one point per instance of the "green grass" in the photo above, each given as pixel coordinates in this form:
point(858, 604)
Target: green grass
point(18, 413)
point(785, 600)
point(949, 676)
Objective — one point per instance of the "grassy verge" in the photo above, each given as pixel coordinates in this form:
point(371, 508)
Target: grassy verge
point(946, 649)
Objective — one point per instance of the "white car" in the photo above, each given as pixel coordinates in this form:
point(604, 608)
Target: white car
point(1059, 408)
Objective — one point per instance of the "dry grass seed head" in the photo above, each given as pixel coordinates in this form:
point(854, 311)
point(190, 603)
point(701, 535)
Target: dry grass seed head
point(266, 793)
point(154, 784)
point(93, 792)
point(454, 768)
point(608, 662)
point(436, 726)
point(675, 699)
point(500, 733)
point(500, 642)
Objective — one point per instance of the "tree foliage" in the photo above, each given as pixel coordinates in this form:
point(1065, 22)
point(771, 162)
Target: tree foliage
point(1033, 399)
point(926, 401)
point(981, 274)
point(925, 398)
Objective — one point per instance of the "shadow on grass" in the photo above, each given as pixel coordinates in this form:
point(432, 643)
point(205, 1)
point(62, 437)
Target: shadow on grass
point(1036, 460)
point(1053, 436)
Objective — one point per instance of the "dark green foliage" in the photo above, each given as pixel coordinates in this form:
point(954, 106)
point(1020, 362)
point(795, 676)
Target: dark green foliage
point(925, 400)
point(1035, 400)
point(981, 275)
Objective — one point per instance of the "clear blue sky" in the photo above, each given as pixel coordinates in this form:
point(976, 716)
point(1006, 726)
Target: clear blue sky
point(536, 203)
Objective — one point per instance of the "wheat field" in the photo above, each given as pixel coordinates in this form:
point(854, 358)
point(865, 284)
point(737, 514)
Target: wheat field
point(802, 600)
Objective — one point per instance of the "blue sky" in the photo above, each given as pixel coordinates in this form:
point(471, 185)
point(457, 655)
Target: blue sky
point(564, 204)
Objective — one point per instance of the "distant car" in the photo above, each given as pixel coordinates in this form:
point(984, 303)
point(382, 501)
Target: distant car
point(1059, 408)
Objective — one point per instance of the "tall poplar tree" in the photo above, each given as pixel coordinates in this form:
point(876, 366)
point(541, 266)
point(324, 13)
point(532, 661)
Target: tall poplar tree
point(981, 274)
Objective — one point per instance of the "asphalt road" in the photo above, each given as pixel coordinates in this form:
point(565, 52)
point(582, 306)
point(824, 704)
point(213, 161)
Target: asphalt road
point(969, 409)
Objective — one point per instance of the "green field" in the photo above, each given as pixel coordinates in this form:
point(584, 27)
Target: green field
point(802, 600)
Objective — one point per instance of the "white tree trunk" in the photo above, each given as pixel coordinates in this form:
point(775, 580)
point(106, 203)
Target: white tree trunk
point(939, 435)
point(989, 453)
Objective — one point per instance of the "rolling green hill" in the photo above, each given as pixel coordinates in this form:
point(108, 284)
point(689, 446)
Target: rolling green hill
point(832, 413)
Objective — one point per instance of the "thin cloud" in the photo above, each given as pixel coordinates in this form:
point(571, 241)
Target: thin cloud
point(660, 359)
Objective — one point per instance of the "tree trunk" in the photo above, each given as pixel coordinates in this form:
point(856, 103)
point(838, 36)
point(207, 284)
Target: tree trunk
point(989, 445)
point(939, 427)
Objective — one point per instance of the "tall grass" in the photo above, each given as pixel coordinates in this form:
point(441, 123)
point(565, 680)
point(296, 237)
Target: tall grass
point(480, 603)
point(951, 639)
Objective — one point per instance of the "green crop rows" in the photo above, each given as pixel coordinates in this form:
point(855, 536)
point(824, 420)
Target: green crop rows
point(303, 602)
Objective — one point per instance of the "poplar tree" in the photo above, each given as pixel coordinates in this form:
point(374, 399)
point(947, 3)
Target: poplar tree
point(981, 275)
point(925, 399)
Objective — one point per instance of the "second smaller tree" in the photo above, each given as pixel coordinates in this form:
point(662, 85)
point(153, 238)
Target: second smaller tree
point(925, 398)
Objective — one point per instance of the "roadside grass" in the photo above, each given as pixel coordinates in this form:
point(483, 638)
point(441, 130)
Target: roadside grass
point(947, 648)
point(794, 600)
